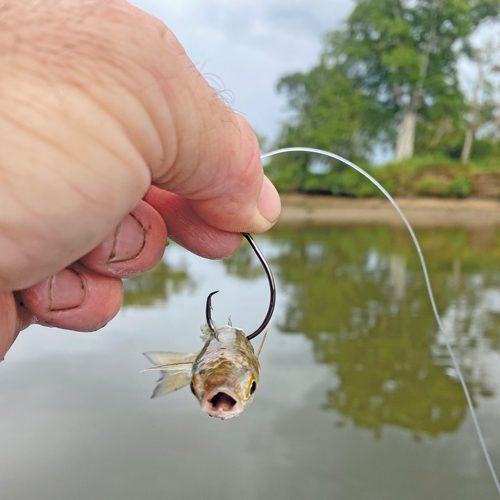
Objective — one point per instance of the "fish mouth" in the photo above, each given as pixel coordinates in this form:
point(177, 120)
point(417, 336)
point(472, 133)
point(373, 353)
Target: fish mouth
point(221, 403)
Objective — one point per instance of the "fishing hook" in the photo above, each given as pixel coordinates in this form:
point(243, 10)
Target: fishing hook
point(272, 289)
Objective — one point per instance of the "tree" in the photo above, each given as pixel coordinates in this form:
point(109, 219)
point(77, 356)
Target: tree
point(483, 103)
point(391, 73)
point(328, 113)
point(403, 53)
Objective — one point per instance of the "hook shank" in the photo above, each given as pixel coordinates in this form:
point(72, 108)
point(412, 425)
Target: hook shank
point(272, 290)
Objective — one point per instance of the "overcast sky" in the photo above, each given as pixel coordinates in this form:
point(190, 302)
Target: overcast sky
point(244, 46)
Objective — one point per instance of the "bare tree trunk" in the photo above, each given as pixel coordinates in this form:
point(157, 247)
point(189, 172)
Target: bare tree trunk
point(405, 143)
point(467, 147)
point(475, 106)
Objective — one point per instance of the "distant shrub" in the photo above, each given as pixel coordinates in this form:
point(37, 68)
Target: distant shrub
point(484, 148)
point(431, 185)
point(347, 182)
point(430, 175)
point(459, 187)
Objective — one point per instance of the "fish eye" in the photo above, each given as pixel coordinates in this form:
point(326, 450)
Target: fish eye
point(253, 387)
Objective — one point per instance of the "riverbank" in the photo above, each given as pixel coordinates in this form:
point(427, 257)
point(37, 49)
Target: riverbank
point(421, 212)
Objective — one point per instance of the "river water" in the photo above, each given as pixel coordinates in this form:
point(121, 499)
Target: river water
point(357, 398)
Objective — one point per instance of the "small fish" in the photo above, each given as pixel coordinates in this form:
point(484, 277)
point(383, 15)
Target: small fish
point(223, 375)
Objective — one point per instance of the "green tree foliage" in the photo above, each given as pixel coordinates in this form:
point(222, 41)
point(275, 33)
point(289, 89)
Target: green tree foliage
point(404, 55)
point(390, 75)
point(328, 113)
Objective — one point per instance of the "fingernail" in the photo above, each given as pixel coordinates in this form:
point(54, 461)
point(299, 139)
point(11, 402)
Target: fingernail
point(67, 290)
point(269, 203)
point(129, 240)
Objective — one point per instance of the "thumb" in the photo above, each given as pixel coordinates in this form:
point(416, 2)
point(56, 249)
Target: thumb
point(221, 175)
point(207, 154)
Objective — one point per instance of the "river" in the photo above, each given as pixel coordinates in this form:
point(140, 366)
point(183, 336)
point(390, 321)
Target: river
point(357, 399)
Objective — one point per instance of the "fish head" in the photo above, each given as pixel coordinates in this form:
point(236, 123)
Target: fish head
point(226, 389)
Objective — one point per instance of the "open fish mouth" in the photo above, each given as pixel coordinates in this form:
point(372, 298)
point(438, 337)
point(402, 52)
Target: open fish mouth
point(221, 403)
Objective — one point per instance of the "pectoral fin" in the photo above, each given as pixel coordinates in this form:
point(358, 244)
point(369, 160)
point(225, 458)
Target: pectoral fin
point(175, 368)
point(171, 381)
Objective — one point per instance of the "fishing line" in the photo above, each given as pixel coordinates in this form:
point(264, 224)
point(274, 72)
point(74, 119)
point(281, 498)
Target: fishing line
point(430, 293)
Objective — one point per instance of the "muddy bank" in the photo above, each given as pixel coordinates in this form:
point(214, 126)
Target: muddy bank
point(422, 212)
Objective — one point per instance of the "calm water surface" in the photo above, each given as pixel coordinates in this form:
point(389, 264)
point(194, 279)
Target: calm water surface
point(357, 398)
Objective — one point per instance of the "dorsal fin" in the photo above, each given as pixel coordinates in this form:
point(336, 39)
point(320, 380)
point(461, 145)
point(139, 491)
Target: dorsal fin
point(262, 343)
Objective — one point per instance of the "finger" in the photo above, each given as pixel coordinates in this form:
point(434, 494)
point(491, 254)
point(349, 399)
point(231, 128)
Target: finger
point(9, 327)
point(75, 298)
point(135, 246)
point(187, 228)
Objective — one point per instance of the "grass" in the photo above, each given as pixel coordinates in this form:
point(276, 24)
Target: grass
point(441, 176)
point(420, 176)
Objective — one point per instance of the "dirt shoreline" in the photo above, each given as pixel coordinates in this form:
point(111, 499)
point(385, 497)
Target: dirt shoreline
point(421, 212)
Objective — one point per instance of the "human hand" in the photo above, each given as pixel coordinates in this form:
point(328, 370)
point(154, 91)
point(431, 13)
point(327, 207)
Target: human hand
point(98, 102)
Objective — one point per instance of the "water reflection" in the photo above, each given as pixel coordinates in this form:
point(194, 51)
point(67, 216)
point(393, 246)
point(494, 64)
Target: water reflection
point(243, 264)
point(157, 285)
point(358, 294)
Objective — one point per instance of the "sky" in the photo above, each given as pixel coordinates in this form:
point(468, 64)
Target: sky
point(243, 47)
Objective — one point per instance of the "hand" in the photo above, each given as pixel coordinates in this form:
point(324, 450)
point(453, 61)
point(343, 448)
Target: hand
point(98, 102)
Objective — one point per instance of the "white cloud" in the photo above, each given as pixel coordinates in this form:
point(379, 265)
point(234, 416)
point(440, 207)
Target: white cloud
point(249, 44)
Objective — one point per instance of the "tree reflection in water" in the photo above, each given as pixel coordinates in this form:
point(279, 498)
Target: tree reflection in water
point(358, 294)
point(156, 286)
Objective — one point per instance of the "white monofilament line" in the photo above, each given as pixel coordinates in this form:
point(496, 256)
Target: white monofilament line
point(451, 352)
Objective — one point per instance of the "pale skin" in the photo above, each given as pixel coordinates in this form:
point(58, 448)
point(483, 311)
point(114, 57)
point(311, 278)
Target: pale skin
point(109, 138)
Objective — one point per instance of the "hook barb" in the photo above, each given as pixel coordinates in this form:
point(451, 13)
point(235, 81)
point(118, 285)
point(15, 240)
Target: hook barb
point(272, 290)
